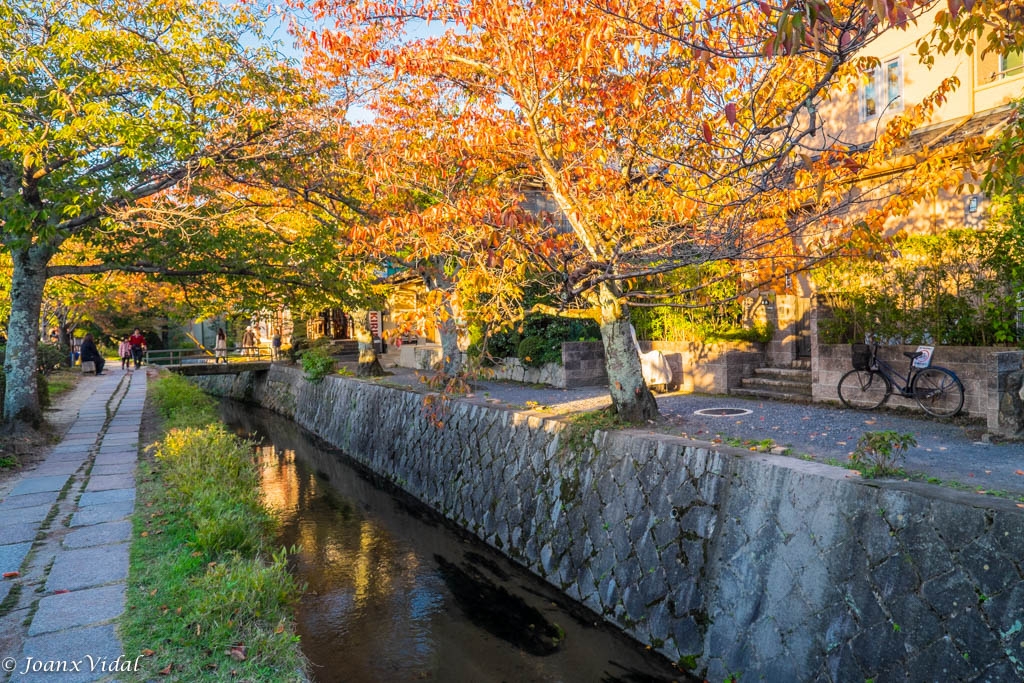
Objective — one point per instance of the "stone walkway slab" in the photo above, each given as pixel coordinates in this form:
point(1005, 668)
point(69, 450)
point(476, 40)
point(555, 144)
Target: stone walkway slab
point(116, 458)
point(98, 514)
point(88, 567)
point(11, 556)
point(78, 608)
point(99, 534)
point(118, 468)
point(28, 500)
point(37, 484)
point(107, 482)
point(76, 456)
point(16, 533)
point(101, 643)
point(29, 515)
point(104, 497)
point(59, 467)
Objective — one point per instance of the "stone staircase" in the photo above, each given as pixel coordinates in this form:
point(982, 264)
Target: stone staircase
point(778, 383)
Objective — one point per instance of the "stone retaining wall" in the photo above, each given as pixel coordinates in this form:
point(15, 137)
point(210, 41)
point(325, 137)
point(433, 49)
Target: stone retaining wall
point(726, 561)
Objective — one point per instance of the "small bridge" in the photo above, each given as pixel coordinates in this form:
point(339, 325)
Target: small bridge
point(218, 369)
point(203, 361)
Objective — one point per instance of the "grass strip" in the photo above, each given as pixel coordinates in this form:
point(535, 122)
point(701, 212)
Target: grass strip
point(207, 597)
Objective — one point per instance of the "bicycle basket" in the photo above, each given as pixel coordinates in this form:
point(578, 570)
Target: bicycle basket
point(861, 356)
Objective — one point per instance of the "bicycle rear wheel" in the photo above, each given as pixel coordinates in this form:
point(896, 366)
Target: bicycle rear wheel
point(938, 392)
point(864, 389)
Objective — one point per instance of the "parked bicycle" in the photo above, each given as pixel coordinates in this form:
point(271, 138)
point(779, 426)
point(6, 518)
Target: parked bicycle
point(937, 390)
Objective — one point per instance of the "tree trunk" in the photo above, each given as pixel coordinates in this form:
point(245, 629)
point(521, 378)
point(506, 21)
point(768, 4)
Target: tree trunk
point(447, 328)
point(633, 401)
point(28, 278)
point(369, 364)
point(451, 356)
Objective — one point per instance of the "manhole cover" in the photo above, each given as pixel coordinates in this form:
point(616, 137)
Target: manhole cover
point(722, 412)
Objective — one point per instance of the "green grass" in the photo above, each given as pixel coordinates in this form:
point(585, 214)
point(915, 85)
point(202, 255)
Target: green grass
point(207, 595)
point(578, 435)
point(62, 382)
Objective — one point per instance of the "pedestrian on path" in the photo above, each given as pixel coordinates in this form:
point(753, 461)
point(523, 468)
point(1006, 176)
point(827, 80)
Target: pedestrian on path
point(248, 342)
point(124, 351)
point(275, 347)
point(221, 347)
point(90, 353)
point(138, 344)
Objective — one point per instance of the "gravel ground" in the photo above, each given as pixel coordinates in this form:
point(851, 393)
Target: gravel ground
point(949, 451)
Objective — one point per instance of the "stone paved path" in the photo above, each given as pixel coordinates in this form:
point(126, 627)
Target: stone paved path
point(64, 528)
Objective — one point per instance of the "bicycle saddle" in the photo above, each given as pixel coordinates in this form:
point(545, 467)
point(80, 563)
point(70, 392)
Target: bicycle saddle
point(913, 354)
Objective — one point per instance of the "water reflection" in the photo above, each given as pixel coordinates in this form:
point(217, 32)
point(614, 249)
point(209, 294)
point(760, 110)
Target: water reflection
point(395, 594)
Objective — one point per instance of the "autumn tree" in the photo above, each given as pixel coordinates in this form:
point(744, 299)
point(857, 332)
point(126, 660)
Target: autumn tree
point(105, 108)
point(667, 134)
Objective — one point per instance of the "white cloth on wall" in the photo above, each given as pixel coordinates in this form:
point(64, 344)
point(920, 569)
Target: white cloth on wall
point(654, 365)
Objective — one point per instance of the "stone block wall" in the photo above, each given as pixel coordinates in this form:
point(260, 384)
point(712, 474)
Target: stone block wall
point(711, 368)
point(513, 369)
point(584, 364)
point(696, 366)
point(974, 365)
point(1006, 394)
point(727, 561)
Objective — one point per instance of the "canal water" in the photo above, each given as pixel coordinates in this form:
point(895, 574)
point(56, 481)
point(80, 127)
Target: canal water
point(395, 593)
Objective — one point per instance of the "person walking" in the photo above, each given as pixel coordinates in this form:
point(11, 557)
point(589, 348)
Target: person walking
point(138, 344)
point(221, 347)
point(248, 342)
point(89, 352)
point(275, 346)
point(124, 351)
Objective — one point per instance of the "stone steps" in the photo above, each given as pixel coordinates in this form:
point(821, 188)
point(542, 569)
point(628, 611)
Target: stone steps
point(778, 383)
point(771, 395)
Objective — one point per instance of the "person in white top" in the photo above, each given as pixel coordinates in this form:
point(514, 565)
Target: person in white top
point(221, 347)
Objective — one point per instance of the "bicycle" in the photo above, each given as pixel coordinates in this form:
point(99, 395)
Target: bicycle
point(937, 390)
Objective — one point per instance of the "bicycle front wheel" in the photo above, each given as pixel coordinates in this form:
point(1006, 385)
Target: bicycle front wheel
point(864, 389)
point(938, 392)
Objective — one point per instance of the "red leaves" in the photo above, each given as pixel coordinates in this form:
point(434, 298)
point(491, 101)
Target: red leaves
point(765, 8)
point(708, 137)
point(730, 113)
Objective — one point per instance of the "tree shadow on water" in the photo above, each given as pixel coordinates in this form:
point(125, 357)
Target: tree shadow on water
point(499, 612)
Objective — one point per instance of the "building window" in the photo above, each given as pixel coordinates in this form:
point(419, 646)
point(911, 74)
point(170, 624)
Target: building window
point(1011, 64)
point(882, 90)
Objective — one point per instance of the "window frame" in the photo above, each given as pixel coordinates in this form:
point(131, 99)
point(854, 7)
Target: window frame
point(1005, 71)
point(879, 81)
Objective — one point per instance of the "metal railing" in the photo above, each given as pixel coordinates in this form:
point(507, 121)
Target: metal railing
point(194, 356)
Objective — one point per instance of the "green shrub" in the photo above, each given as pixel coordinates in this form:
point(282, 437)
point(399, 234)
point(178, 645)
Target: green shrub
point(957, 287)
point(52, 356)
point(532, 350)
point(880, 454)
point(317, 363)
point(551, 330)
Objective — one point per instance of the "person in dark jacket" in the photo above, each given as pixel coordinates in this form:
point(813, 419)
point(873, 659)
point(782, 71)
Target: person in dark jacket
point(90, 353)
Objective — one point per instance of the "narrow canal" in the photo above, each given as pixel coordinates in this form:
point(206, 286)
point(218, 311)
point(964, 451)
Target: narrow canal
point(395, 593)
